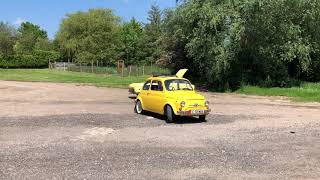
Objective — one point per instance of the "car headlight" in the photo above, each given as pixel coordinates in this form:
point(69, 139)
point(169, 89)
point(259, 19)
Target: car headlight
point(207, 103)
point(183, 104)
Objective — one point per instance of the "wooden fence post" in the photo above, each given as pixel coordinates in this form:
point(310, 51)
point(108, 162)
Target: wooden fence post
point(122, 69)
point(107, 68)
point(97, 65)
point(91, 66)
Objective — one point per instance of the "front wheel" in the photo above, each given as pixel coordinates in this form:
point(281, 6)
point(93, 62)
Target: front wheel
point(138, 108)
point(202, 118)
point(170, 116)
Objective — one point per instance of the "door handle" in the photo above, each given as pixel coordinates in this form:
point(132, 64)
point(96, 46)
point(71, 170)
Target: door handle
point(148, 94)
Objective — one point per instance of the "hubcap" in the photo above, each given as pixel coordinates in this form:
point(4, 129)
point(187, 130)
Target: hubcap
point(138, 107)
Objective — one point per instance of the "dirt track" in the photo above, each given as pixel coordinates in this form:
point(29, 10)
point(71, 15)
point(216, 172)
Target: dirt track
point(65, 131)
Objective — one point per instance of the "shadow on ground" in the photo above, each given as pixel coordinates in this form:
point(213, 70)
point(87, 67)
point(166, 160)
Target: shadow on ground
point(179, 120)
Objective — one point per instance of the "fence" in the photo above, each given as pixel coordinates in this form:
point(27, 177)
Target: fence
point(137, 70)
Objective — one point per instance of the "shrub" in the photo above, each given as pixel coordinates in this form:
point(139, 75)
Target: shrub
point(39, 59)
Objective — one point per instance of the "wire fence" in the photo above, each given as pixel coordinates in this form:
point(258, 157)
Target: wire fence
point(136, 70)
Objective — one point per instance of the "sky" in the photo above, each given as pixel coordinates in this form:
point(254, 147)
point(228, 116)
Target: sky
point(49, 13)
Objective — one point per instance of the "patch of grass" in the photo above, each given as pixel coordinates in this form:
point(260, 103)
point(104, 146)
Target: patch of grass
point(307, 92)
point(46, 75)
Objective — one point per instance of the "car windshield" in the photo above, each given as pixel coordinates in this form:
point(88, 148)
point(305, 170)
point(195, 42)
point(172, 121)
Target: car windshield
point(178, 84)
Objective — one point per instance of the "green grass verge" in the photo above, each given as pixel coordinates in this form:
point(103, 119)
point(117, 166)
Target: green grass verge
point(46, 75)
point(307, 92)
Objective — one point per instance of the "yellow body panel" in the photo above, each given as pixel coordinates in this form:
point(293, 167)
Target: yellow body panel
point(135, 88)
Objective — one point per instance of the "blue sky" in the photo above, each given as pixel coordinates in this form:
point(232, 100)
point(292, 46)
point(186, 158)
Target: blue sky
point(49, 13)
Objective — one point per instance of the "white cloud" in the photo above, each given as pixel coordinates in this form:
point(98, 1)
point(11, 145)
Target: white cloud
point(18, 21)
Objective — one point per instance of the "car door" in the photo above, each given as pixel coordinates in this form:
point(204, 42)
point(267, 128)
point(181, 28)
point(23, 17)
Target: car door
point(144, 94)
point(156, 97)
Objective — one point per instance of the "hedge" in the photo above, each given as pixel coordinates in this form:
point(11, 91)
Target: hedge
point(39, 59)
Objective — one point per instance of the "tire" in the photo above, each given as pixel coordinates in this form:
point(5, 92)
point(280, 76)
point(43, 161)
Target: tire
point(138, 108)
point(202, 118)
point(170, 116)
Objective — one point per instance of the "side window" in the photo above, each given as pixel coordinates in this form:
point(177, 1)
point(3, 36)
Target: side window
point(156, 86)
point(146, 86)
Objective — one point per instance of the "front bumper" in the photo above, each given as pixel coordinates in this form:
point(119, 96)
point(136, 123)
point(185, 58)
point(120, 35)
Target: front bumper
point(190, 113)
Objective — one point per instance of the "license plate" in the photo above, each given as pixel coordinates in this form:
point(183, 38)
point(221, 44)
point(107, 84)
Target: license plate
point(198, 111)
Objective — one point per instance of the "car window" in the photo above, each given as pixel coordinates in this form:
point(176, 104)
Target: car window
point(178, 84)
point(156, 86)
point(146, 86)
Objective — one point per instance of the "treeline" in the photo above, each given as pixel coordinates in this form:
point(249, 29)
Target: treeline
point(95, 36)
point(224, 43)
point(99, 36)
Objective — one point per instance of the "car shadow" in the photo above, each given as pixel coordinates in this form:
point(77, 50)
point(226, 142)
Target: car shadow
point(179, 120)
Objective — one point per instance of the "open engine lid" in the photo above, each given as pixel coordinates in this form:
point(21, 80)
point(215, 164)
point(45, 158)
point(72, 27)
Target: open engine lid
point(181, 73)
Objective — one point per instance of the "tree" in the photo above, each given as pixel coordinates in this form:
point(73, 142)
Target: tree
point(29, 28)
point(172, 43)
point(132, 46)
point(153, 33)
point(278, 42)
point(29, 35)
point(90, 36)
point(7, 39)
point(229, 42)
point(205, 35)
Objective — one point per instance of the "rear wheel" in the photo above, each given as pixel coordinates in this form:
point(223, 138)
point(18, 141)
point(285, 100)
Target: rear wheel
point(202, 118)
point(170, 116)
point(138, 108)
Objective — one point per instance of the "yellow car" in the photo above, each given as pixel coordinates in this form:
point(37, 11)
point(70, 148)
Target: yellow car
point(172, 97)
point(135, 88)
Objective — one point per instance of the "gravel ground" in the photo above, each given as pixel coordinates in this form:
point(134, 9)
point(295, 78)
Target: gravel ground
point(66, 131)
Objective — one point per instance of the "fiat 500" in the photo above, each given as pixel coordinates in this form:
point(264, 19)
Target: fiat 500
point(171, 97)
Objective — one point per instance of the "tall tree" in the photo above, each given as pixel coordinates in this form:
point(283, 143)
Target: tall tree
point(153, 33)
point(172, 43)
point(7, 39)
point(29, 35)
point(90, 36)
point(132, 45)
point(277, 44)
point(226, 42)
point(205, 33)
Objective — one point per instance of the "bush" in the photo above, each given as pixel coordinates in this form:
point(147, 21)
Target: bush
point(39, 59)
